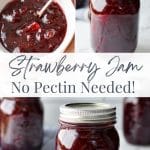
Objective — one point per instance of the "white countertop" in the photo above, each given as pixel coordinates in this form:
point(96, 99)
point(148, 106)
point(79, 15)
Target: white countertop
point(83, 42)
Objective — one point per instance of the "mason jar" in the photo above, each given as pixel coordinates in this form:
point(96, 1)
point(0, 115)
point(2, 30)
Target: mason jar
point(114, 25)
point(136, 120)
point(87, 126)
point(21, 124)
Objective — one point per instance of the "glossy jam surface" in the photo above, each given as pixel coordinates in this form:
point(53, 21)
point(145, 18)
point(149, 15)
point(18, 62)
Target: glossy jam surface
point(87, 137)
point(114, 25)
point(137, 121)
point(21, 124)
point(23, 31)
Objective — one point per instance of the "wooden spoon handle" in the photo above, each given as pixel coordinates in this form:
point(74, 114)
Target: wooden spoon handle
point(40, 13)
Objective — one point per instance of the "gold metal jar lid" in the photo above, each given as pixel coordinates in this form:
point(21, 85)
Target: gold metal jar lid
point(88, 113)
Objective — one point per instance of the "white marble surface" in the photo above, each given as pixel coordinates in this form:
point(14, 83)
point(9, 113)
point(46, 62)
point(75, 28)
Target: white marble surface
point(83, 31)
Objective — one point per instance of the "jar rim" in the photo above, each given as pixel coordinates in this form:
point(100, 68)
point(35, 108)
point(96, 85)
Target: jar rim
point(88, 113)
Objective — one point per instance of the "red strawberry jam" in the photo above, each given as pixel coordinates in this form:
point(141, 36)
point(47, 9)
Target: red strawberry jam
point(114, 25)
point(21, 124)
point(137, 121)
point(22, 30)
point(87, 126)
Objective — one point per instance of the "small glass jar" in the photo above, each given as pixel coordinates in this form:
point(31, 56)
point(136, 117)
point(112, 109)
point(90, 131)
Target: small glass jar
point(21, 124)
point(137, 120)
point(114, 25)
point(87, 126)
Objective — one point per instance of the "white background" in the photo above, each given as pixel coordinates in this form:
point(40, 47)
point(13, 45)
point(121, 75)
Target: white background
point(141, 78)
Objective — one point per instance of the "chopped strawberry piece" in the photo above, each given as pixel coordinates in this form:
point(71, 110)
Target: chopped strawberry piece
point(32, 27)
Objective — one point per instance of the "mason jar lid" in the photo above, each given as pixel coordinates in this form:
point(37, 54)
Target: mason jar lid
point(88, 113)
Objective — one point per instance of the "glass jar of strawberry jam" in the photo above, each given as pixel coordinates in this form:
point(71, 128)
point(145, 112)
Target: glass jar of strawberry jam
point(21, 124)
point(87, 126)
point(114, 25)
point(137, 120)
